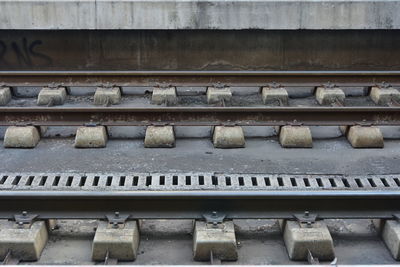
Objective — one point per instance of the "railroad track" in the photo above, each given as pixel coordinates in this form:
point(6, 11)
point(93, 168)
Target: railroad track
point(118, 198)
point(195, 115)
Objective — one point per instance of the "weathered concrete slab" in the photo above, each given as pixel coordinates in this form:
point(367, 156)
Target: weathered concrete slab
point(295, 137)
point(275, 95)
point(52, 96)
point(220, 239)
point(168, 14)
point(121, 243)
point(24, 243)
point(384, 96)
point(5, 95)
point(107, 96)
point(91, 137)
point(329, 96)
point(300, 238)
point(159, 136)
point(164, 96)
point(216, 95)
point(365, 137)
point(21, 137)
point(390, 231)
point(228, 137)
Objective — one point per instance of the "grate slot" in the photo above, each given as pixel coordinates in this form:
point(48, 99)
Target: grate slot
point(345, 182)
point(358, 182)
point(149, 179)
point(371, 182)
point(3, 179)
point(306, 182)
point(280, 181)
point(188, 180)
point(162, 180)
point(267, 181)
point(214, 180)
point(385, 182)
point(228, 181)
point(201, 179)
point(135, 180)
point(175, 180)
point(397, 181)
point(293, 182)
point(16, 180)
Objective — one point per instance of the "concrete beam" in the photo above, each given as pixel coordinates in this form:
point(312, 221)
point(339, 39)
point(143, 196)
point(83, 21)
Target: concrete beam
point(21, 137)
point(193, 14)
point(159, 136)
point(220, 239)
point(121, 242)
point(228, 137)
point(25, 243)
point(300, 238)
point(91, 137)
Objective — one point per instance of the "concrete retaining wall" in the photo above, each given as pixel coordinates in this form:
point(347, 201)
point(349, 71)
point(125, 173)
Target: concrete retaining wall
point(191, 14)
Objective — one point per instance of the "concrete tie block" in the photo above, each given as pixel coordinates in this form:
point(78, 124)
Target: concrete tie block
point(295, 137)
point(107, 96)
point(121, 243)
point(5, 95)
point(91, 137)
point(328, 96)
point(228, 137)
point(159, 136)
point(164, 96)
point(365, 137)
point(220, 239)
point(26, 243)
point(52, 96)
point(390, 231)
point(275, 95)
point(21, 137)
point(384, 96)
point(216, 95)
point(300, 238)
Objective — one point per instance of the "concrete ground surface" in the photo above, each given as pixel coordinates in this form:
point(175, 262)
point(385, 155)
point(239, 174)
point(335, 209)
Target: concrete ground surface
point(261, 155)
point(259, 242)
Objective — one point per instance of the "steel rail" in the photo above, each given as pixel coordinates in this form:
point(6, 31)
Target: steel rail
point(195, 204)
point(199, 78)
point(199, 116)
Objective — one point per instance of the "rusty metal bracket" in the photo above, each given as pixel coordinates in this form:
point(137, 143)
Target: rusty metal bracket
point(396, 216)
point(214, 217)
point(294, 123)
point(383, 85)
point(275, 85)
point(364, 124)
point(92, 124)
point(329, 85)
point(23, 124)
point(306, 218)
point(25, 219)
point(117, 219)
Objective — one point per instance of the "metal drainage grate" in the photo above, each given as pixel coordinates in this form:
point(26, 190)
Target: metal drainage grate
point(193, 181)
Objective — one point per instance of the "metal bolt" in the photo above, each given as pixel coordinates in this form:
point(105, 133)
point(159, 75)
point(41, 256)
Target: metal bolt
point(306, 213)
point(117, 214)
point(215, 224)
point(115, 225)
point(24, 213)
point(309, 224)
point(214, 214)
